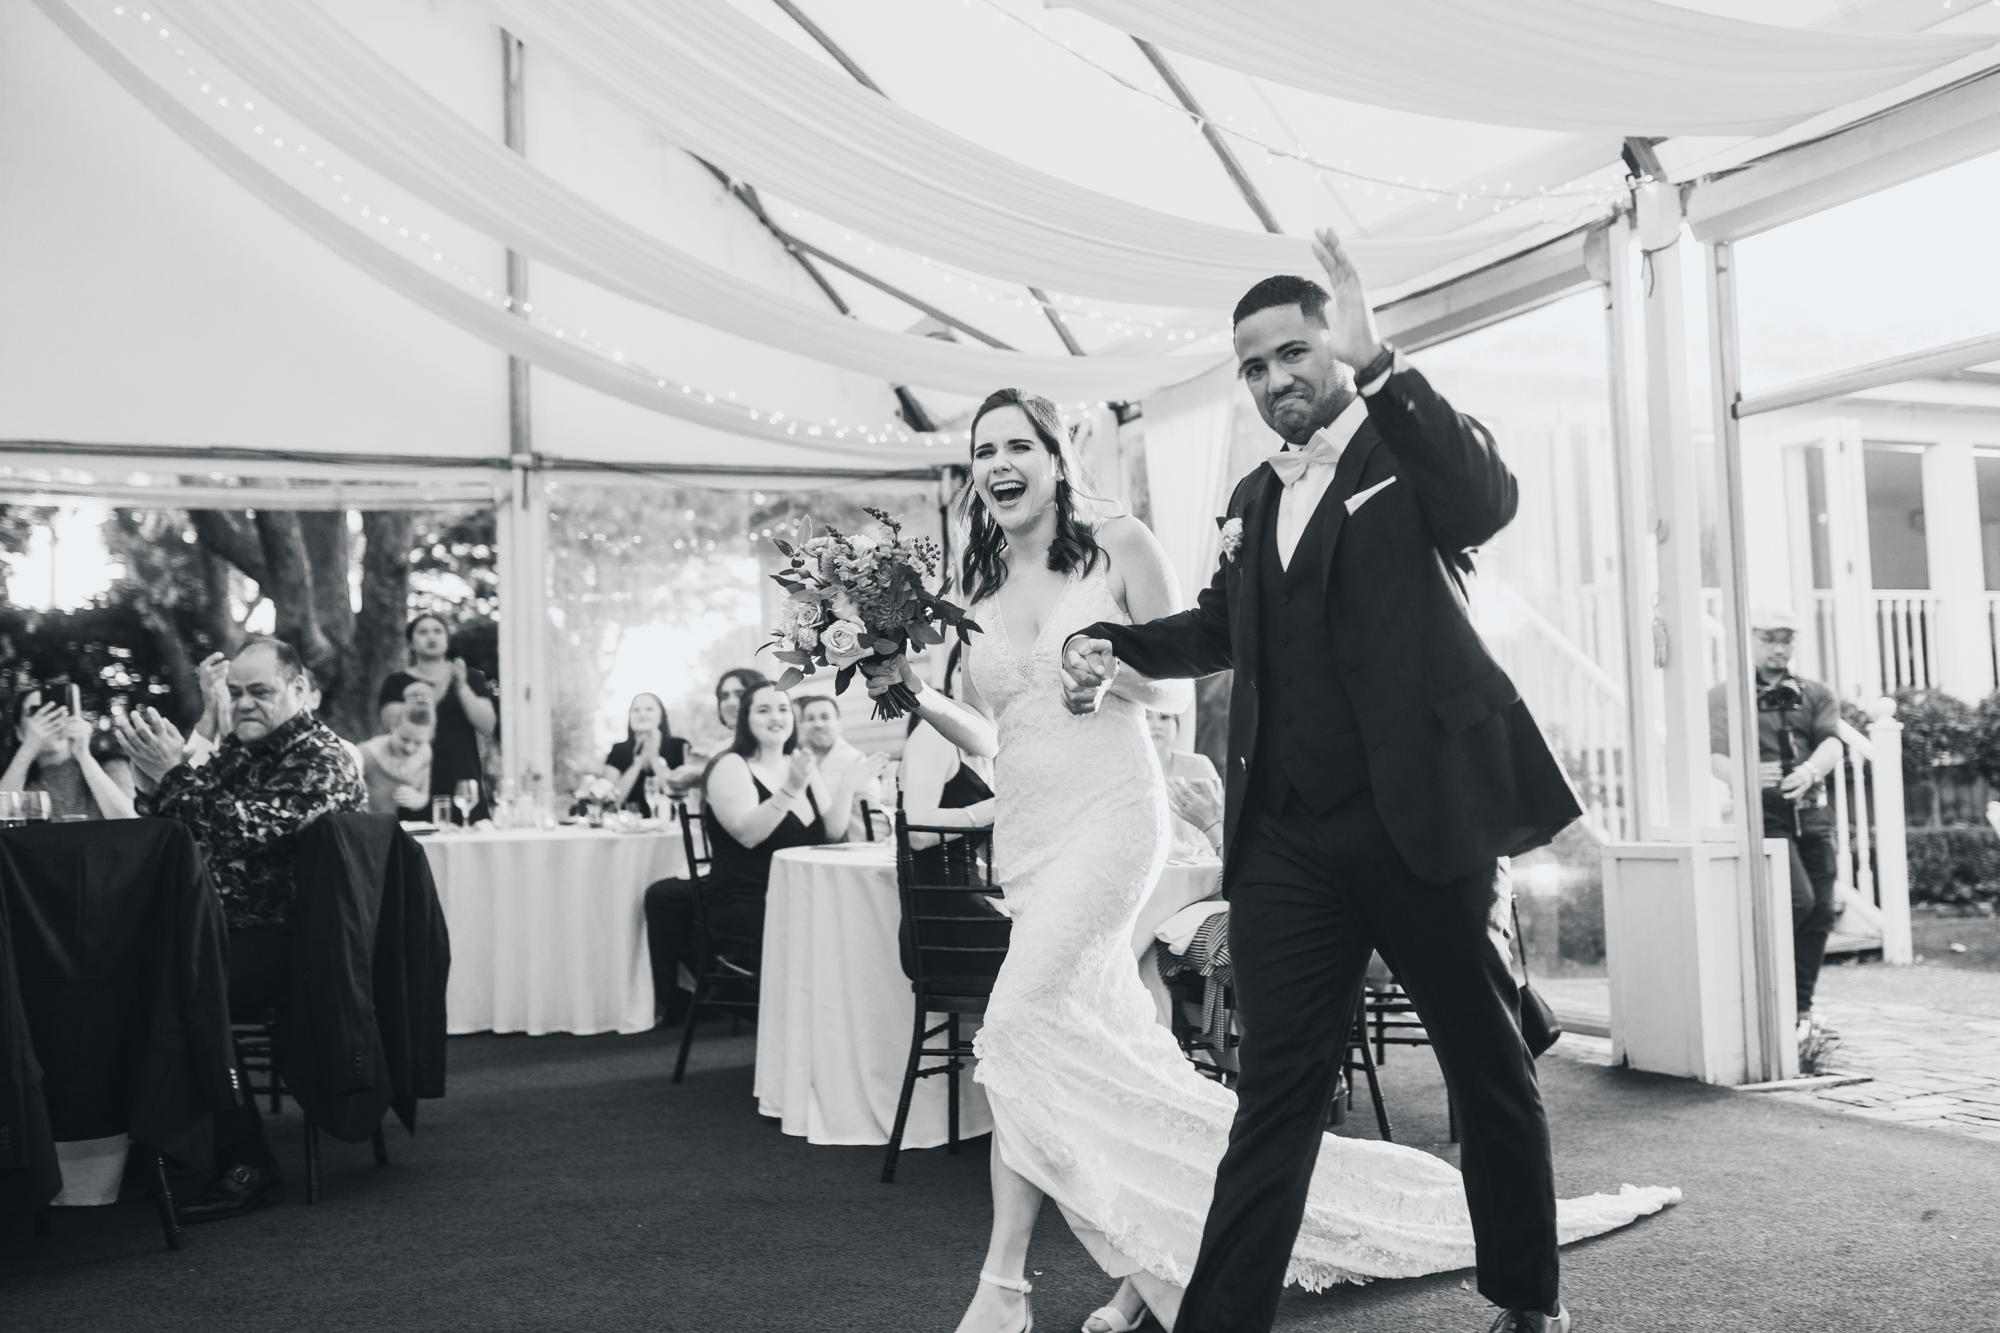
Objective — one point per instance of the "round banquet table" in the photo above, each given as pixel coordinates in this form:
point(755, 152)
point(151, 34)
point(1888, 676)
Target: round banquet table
point(833, 1028)
point(548, 928)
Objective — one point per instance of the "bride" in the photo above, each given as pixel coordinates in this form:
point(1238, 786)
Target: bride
point(1093, 1102)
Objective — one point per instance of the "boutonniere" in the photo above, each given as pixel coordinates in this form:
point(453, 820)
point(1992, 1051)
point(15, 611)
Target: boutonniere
point(1232, 536)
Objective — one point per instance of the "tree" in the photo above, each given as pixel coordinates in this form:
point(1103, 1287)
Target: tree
point(17, 524)
point(302, 561)
point(1938, 729)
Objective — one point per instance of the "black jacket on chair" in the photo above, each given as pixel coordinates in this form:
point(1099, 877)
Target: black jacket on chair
point(363, 1027)
point(114, 1012)
point(1460, 772)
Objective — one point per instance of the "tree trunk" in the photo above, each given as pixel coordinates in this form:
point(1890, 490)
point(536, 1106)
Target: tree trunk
point(174, 656)
point(217, 620)
point(385, 605)
point(290, 586)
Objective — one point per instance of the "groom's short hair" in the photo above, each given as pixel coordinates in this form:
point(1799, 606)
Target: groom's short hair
point(1285, 289)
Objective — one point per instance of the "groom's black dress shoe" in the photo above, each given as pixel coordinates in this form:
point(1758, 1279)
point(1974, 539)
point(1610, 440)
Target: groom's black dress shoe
point(235, 1192)
point(1531, 1321)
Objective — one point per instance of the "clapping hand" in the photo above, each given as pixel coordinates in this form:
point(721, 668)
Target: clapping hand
point(804, 768)
point(215, 705)
point(1350, 324)
point(154, 743)
point(43, 730)
point(76, 738)
point(1197, 800)
point(1088, 666)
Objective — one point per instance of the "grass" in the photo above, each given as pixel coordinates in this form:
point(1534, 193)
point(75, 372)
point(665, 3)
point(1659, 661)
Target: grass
point(1933, 936)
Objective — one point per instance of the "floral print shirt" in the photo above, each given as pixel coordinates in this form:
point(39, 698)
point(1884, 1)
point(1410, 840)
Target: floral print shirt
point(248, 805)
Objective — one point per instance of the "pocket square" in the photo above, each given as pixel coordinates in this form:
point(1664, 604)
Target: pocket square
point(1359, 498)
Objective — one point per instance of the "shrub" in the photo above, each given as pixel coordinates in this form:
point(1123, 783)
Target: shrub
point(1954, 865)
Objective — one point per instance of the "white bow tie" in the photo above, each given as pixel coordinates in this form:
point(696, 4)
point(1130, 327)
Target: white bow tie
point(1292, 464)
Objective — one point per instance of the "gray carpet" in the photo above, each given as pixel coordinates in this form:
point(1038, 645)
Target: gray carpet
point(565, 1184)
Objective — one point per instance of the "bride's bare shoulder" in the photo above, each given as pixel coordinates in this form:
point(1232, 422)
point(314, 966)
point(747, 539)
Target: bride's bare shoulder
point(1124, 535)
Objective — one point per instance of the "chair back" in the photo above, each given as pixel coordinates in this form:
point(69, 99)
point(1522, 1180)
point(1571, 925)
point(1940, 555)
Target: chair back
point(954, 935)
point(695, 848)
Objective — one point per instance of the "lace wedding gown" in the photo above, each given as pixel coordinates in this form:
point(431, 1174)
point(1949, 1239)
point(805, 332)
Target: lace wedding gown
point(1092, 1100)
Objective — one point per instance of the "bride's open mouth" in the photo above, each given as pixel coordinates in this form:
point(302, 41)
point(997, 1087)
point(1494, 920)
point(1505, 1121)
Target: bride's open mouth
point(1008, 493)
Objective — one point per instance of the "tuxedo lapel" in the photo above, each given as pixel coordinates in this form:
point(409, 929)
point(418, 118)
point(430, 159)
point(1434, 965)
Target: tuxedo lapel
point(1346, 480)
point(1260, 525)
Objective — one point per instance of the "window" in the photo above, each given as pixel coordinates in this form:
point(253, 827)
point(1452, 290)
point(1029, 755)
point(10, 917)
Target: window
point(1987, 465)
point(1897, 552)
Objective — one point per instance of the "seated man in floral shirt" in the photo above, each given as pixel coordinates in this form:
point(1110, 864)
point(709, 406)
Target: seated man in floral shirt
point(278, 770)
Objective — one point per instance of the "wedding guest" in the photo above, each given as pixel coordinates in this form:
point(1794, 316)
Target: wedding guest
point(670, 903)
point(1194, 788)
point(53, 755)
point(765, 793)
point(277, 771)
point(730, 688)
point(649, 747)
point(463, 704)
point(313, 701)
point(821, 732)
point(396, 765)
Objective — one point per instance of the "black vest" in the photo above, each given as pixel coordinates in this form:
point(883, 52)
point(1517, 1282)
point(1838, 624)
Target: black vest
point(1307, 737)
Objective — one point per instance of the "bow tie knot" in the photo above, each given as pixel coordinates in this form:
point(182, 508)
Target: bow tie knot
point(1292, 464)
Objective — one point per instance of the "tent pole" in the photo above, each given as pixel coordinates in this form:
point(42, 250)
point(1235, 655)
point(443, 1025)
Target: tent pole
point(1732, 548)
point(1185, 95)
point(521, 518)
point(1628, 434)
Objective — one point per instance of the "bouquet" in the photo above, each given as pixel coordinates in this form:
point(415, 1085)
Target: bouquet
point(853, 597)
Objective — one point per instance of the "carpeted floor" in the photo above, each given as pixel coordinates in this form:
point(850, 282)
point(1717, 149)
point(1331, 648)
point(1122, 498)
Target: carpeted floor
point(565, 1184)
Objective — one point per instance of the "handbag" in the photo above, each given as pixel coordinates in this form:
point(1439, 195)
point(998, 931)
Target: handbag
point(1539, 1025)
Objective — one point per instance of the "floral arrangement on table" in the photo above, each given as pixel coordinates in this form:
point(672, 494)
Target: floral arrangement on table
point(593, 796)
point(856, 596)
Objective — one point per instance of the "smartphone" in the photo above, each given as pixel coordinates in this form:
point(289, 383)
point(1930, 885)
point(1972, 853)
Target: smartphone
point(75, 701)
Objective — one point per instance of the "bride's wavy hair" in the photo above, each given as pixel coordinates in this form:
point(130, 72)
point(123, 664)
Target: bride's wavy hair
point(1074, 547)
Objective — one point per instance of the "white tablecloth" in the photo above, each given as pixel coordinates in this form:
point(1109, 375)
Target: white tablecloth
point(833, 1030)
point(548, 930)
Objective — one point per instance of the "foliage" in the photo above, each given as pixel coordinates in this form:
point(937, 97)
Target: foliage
point(106, 651)
point(1984, 748)
point(853, 598)
point(1954, 865)
point(1938, 728)
point(455, 566)
point(17, 524)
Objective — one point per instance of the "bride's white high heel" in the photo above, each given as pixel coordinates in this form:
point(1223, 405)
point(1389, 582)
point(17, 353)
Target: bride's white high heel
point(1115, 1320)
point(1021, 1285)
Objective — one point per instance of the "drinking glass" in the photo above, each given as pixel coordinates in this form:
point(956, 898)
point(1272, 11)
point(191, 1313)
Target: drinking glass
point(653, 789)
point(11, 812)
point(465, 795)
point(502, 813)
point(35, 806)
point(441, 811)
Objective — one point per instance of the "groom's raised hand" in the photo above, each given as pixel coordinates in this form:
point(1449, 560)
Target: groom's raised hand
point(1088, 666)
point(1351, 334)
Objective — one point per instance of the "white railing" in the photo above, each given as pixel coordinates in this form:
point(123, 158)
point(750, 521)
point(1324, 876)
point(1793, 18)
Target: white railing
point(1579, 704)
point(1906, 639)
point(1873, 891)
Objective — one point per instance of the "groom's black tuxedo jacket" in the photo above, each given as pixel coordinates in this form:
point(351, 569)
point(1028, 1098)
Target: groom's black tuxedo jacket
point(1459, 770)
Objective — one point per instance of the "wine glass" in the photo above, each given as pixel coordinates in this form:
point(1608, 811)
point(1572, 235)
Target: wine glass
point(465, 795)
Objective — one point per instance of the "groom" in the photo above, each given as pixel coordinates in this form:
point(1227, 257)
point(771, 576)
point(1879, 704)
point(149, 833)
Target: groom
point(1380, 762)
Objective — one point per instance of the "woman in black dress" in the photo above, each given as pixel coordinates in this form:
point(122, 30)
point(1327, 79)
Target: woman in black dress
point(648, 747)
point(766, 794)
point(463, 702)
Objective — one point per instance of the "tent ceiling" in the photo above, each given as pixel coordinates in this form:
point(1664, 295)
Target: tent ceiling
point(232, 326)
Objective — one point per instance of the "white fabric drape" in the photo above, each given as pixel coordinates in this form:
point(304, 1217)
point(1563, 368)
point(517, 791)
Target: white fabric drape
point(1187, 471)
point(446, 299)
point(716, 83)
point(302, 59)
point(1630, 66)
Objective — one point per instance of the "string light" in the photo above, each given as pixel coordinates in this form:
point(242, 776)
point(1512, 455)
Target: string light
point(481, 287)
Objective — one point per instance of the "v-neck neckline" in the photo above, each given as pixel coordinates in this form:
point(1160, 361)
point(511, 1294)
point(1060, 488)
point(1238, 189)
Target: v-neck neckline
point(1007, 630)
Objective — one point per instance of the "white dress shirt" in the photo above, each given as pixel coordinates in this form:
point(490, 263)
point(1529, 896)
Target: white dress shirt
point(1302, 497)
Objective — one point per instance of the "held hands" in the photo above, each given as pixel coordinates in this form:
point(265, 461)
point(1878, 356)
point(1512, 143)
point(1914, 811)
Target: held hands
point(458, 672)
point(409, 798)
point(154, 743)
point(1088, 666)
point(76, 739)
point(1350, 323)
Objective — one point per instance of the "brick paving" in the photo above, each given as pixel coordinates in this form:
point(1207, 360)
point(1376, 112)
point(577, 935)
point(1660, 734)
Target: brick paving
point(1926, 1039)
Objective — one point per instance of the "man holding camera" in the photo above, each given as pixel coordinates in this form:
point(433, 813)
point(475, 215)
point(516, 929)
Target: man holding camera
point(1798, 745)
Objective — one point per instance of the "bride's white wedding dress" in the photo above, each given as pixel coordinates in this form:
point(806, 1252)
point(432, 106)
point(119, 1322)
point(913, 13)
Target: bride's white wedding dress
point(1092, 1099)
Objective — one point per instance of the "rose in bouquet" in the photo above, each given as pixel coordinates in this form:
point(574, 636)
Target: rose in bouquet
point(859, 598)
